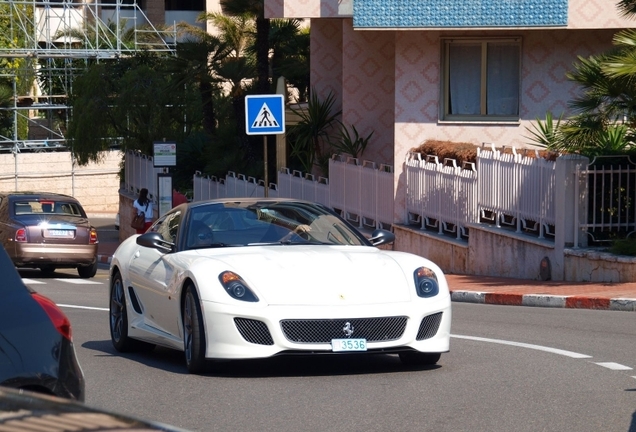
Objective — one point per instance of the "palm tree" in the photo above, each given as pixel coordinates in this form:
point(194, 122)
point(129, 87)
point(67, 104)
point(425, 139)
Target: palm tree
point(197, 62)
point(237, 33)
point(235, 67)
point(290, 54)
point(627, 7)
point(605, 109)
point(256, 9)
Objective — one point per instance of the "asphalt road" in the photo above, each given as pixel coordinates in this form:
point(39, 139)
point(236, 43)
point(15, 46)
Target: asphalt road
point(510, 368)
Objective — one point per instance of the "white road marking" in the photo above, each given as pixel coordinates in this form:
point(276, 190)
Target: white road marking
point(32, 281)
point(613, 366)
point(82, 307)
point(525, 345)
point(80, 281)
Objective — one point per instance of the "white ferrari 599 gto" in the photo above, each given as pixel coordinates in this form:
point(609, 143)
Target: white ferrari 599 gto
point(254, 278)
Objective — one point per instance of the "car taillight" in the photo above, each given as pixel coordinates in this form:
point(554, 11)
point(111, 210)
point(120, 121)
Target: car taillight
point(21, 235)
point(58, 318)
point(92, 239)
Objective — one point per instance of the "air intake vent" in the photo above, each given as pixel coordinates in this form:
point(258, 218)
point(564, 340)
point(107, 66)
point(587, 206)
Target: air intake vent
point(134, 300)
point(254, 331)
point(429, 326)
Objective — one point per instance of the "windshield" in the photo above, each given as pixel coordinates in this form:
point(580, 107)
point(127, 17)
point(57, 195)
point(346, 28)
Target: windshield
point(267, 222)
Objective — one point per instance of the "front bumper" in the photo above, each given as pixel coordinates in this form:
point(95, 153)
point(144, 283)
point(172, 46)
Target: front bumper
point(225, 340)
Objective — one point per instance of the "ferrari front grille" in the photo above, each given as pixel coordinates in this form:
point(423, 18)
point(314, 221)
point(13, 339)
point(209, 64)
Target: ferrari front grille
point(429, 326)
point(254, 331)
point(324, 330)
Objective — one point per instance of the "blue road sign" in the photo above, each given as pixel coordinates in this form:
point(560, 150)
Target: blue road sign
point(264, 114)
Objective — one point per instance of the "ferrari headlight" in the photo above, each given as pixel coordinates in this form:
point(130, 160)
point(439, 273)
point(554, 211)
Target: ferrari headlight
point(426, 282)
point(236, 287)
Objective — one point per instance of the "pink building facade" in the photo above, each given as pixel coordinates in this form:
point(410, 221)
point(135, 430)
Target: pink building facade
point(397, 80)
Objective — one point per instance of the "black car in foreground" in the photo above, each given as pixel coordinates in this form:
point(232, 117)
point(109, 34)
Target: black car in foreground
point(36, 345)
point(26, 411)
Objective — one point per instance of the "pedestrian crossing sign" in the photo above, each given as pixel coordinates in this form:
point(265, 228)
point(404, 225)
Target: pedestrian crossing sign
point(264, 114)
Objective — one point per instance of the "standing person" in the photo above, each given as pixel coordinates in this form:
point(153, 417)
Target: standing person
point(178, 198)
point(143, 204)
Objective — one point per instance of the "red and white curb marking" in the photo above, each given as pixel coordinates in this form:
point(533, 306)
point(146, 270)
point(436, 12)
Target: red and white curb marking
point(541, 300)
point(104, 259)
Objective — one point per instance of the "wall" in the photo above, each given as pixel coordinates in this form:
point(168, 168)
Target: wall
point(585, 265)
point(496, 252)
point(589, 14)
point(450, 255)
point(95, 185)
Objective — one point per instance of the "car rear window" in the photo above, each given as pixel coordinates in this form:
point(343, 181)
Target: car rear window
point(37, 207)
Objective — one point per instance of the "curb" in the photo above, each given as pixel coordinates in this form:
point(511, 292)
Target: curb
point(540, 300)
point(104, 259)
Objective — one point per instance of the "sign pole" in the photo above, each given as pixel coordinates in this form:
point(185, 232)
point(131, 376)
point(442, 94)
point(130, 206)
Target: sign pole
point(265, 165)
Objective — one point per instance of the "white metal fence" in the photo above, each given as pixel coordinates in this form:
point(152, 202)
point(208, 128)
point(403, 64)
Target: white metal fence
point(440, 196)
point(505, 189)
point(517, 190)
point(140, 172)
point(361, 192)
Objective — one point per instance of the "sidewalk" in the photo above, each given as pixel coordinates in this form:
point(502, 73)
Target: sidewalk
point(518, 292)
point(514, 292)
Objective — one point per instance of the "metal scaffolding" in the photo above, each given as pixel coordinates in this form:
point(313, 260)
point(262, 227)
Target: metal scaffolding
point(48, 43)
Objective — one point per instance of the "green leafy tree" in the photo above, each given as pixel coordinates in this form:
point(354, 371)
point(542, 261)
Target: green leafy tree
point(15, 73)
point(131, 102)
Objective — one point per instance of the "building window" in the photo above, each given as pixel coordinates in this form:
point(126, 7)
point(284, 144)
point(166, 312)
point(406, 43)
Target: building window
point(185, 5)
point(481, 79)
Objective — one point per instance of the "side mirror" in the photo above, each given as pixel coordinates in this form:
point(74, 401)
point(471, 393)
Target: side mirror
point(154, 240)
point(380, 237)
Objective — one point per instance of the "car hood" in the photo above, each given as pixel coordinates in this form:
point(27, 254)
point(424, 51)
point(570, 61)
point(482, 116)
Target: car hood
point(320, 275)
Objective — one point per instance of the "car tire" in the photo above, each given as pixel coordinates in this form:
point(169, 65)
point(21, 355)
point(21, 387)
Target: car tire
point(47, 270)
point(118, 319)
point(413, 358)
point(86, 272)
point(193, 332)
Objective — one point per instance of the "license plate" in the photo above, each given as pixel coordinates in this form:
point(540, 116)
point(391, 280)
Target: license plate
point(60, 233)
point(344, 345)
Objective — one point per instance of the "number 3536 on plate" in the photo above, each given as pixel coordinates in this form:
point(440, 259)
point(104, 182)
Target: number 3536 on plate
point(340, 345)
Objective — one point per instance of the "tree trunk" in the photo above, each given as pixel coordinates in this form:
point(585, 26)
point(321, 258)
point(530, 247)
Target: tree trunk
point(209, 116)
point(262, 55)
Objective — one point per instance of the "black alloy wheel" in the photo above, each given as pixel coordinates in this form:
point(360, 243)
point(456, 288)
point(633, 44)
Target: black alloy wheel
point(119, 320)
point(194, 333)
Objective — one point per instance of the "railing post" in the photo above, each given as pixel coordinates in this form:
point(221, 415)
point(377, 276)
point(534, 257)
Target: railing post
point(570, 202)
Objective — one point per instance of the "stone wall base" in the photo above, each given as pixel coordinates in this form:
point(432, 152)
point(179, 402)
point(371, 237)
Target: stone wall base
point(495, 252)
